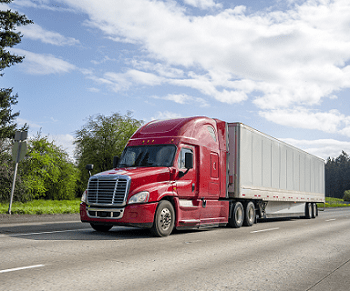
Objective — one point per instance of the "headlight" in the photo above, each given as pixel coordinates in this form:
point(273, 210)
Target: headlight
point(140, 197)
point(84, 196)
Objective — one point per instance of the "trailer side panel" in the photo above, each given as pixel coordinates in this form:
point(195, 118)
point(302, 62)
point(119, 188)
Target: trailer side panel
point(262, 167)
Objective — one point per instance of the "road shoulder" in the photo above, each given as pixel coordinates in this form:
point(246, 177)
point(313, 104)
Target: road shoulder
point(7, 219)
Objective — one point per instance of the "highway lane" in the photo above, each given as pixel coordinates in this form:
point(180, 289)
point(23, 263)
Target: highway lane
point(289, 254)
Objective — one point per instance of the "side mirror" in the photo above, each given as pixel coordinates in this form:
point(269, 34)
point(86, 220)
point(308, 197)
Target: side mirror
point(188, 160)
point(115, 162)
point(188, 164)
point(89, 167)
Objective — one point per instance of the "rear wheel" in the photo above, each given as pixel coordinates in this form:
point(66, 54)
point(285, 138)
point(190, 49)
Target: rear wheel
point(163, 219)
point(314, 210)
point(308, 210)
point(237, 216)
point(249, 217)
point(101, 227)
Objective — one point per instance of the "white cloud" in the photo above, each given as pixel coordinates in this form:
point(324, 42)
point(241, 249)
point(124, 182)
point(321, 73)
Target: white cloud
point(104, 60)
point(161, 69)
point(144, 77)
point(323, 148)
point(43, 64)
point(166, 115)
point(184, 99)
point(42, 4)
point(331, 122)
point(93, 90)
point(65, 141)
point(36, 32)
point(293, 57)
point(31, 124)
point(203, 4)
point(346, 130)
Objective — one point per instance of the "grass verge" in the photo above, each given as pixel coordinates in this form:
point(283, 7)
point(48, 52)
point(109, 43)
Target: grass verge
point(334, 202)
point(42, 207)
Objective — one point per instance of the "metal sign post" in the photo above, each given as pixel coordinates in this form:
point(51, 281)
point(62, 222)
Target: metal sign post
point(18, 152)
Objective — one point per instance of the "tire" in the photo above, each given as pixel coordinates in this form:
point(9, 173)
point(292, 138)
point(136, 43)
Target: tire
point(308, 210)
point(314, 210)
point(164, 219)
point(249, 214)
point(101, 227)
point(237, 216)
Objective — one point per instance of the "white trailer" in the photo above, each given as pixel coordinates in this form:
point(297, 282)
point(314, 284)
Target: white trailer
point(280, 179)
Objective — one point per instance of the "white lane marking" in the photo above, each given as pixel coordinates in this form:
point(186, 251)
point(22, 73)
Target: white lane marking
point(262, 230)
point(45, 232)
point(331, 219)
point(21, 268)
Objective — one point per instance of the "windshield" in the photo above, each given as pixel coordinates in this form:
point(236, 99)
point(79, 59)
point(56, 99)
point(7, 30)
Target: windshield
point(148, 156)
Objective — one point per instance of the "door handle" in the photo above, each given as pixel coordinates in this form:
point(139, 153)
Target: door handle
point(193, 187)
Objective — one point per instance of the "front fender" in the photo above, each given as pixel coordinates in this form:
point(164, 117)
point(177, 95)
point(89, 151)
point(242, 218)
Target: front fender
point(156, 190)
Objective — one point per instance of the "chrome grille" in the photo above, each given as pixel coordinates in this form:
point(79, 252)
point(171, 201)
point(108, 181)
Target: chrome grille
point(108, 190)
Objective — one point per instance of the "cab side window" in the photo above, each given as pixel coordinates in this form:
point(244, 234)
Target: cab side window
point(181, 161)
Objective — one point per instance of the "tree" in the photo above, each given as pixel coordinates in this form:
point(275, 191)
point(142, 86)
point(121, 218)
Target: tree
point(6, 176)
point(9, 20)
point(346, 196)
point(337, 175)
point(8, 38)
point(48, 172)
point(102, 138)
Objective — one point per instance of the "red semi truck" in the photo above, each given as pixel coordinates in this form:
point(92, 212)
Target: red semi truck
point(201, 172)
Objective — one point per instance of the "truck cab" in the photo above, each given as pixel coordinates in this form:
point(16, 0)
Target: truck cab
point(172, 174)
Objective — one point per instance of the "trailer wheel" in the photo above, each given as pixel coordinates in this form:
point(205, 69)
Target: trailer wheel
point(237, 216)
point(249, 217)
point(308, 210)
point(314, 210)
point(163, 219)
point(101, 227)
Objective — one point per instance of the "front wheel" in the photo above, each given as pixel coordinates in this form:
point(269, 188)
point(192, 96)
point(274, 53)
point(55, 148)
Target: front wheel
point(101, 227)
point(163, 219)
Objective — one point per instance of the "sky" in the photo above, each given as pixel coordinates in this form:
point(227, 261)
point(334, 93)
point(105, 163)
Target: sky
point(280, 66)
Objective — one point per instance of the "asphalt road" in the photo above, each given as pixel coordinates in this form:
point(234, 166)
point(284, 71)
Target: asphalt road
point(289, 254)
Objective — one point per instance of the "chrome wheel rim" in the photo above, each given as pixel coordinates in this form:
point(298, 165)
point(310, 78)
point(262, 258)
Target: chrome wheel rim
point(251, 214)
point(165, 219)
point(239, 215)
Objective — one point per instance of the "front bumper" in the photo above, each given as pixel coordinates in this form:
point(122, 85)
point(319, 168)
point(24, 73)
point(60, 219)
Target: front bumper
point(139, 215)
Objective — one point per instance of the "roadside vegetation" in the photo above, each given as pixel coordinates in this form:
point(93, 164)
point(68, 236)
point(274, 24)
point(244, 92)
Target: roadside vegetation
point(335, 202)
point(42, 207)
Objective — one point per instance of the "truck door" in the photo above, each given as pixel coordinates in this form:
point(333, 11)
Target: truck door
point(186, 185)
point(211, 208)
point(187, 189)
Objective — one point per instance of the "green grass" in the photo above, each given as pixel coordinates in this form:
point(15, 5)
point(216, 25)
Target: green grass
point(42, 207)
point(334, 202)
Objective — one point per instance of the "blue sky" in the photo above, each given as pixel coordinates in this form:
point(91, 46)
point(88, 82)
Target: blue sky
point(280, 66)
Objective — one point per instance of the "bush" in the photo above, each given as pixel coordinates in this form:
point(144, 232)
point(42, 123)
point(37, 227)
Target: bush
point(48, 172)
point(346, 196)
